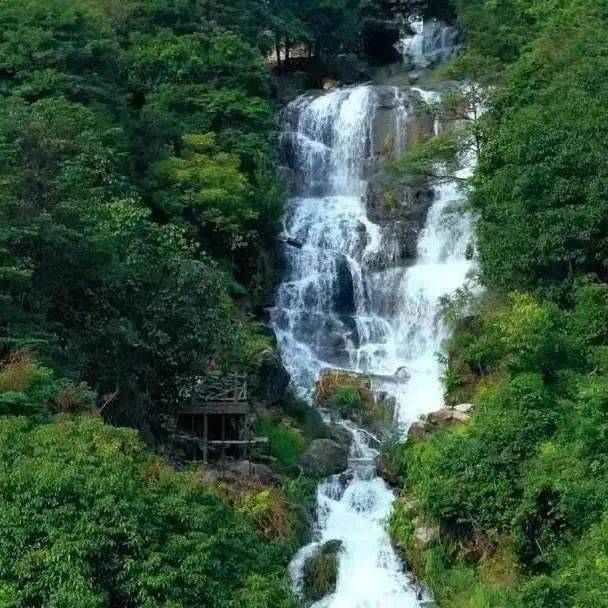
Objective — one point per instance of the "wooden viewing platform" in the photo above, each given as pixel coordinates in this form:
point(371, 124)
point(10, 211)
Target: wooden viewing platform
point(218, 415)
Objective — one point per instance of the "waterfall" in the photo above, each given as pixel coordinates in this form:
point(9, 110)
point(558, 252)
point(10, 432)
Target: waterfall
point(428, 43)
point(337, 307)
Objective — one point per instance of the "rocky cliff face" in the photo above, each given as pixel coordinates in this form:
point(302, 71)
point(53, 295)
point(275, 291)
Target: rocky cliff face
point(400, 210)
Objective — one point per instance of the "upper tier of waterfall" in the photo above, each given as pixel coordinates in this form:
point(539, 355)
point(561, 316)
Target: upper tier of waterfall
point(427, 43)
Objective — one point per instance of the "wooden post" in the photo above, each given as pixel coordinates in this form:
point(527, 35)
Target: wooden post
point(205, 439)
point(246, 421)
point(223, 441)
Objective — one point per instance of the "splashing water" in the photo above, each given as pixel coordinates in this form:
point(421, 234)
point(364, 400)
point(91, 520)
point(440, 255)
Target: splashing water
point(338, 308)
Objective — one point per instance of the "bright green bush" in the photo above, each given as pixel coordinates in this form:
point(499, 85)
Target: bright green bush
point(89, 518)
point(287, 443)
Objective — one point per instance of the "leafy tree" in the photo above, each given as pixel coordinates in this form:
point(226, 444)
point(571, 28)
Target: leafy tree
point(207, 187)
point(57, 49)
point(89, 518)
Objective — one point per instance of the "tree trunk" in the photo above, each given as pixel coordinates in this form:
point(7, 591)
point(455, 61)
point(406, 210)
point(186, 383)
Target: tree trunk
point(277, 42)
point(287, 52)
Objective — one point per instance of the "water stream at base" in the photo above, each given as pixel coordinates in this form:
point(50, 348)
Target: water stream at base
point(344, 303)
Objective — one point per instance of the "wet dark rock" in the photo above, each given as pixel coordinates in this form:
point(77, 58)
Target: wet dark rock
point(273, 381)
point(398, 116)
point(332, 547)
point(330, 336)
point(386, 472)
point(402, 212)
point(341, 435)
point(291, 241)
point(336, 487)
point(344, 291)
point(324, 457)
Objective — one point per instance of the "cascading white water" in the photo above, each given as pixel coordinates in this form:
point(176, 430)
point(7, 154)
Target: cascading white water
point(430, 42)
point(338, 308)
point(355, 511)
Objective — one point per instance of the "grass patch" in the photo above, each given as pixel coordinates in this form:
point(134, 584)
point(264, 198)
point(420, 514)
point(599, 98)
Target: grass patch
point(287, 443)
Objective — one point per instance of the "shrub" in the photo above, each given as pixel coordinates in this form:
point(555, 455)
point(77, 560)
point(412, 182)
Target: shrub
point(30, 389)
point(269, 511)
point(286, 443)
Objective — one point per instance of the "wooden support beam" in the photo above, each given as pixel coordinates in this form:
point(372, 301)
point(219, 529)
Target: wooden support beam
point(199, 409)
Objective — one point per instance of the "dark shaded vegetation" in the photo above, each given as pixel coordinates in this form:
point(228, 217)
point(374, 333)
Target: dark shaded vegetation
point(138, 188)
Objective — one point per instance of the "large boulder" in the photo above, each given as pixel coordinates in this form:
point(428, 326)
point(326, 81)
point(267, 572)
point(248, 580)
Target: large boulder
point(444, 418)
point(398, 123)
point(402, 212)
point(418, 431)
point(425, 536)
point(340, 434)
point(324, 457)
point(448, 417)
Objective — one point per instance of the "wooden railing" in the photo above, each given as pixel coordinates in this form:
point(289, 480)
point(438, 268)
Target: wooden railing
point(230, 388)
point(216, 388)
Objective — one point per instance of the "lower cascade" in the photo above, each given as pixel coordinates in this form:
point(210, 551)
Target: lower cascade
point(350, 301)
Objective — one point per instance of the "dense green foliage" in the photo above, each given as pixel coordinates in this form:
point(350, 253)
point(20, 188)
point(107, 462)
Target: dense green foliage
point(543, 175)
point(89, 518)
point(519, 493)
point(138, 191)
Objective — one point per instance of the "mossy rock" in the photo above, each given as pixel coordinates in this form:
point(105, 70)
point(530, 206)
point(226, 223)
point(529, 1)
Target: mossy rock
point(332, 547)
point(321, 572)
point(379, 418)
point(323, 458)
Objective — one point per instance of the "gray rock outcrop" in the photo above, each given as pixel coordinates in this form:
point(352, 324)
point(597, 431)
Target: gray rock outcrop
point(324, 457)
